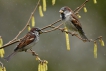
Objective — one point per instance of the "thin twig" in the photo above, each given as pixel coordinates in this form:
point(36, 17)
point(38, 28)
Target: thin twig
point(66, 32)
point(90, 40)
point(1, 64)
point(37, 57)
point(80, 7)
point(8, 44)
point(51, 24)
point(53, 28)
point(15, 39)
point(27, 22)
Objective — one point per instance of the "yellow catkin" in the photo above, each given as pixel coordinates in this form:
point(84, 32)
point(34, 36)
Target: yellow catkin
point(39, 68)
point(4, 69)
point(67, 40)
point(101, 42)
point(85, 10)
point(1, 68)
point(1, 50)
point(1, 42)
point(40, 11)
point(44, 5)
point(1, 53)
point(45, 65)
point(33, 21)
point(95, 1)
point(29, 28)
point(78, 16)
point(53, 2)
point(44, 69)
point(95, 50)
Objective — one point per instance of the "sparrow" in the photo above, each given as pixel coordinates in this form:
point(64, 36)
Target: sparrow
point(31, 38)
point(71, 21)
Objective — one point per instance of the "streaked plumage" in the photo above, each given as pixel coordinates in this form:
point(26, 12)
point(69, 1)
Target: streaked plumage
point(71, 21)
point(27, 42)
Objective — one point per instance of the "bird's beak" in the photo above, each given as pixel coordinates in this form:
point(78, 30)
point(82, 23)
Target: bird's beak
point(61, 11)
point(40, 32)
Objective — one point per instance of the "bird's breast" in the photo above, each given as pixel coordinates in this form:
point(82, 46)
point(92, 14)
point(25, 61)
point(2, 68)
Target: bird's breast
point(69, 25)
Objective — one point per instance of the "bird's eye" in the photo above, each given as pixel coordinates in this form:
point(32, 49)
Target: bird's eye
point(64, 9)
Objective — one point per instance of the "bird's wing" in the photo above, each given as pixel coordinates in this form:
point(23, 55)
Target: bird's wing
point(76, 22)
point(29, 38)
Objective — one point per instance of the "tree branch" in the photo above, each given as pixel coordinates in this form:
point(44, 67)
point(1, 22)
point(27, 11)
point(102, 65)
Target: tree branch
point(90, 40)
point(51, 24)
point(15, 40)
point(1, 64)
point(80, 7)
point(27, 22)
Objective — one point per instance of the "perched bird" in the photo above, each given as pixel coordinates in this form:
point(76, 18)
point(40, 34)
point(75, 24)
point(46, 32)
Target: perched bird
point(27, 41)
point(71, 21)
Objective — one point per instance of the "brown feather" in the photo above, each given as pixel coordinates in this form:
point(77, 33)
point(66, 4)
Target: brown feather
point(29, 38)
point(75, 20)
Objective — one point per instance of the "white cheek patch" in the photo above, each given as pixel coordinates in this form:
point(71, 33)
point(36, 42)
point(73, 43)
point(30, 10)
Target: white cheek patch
point(60, 16)
point(68, 14)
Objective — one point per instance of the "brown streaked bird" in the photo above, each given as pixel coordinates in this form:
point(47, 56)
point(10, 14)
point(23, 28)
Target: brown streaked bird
point(31, 38)
point(71, 21)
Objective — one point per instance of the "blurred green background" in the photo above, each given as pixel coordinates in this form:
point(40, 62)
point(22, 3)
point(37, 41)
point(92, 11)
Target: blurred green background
point(14, 14)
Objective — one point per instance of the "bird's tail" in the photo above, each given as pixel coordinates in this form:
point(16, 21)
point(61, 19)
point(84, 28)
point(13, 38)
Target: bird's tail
point(83, 36)
point(8, 57)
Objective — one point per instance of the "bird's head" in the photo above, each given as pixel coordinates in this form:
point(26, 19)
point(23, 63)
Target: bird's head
point(64, 12)
point(36, 30)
